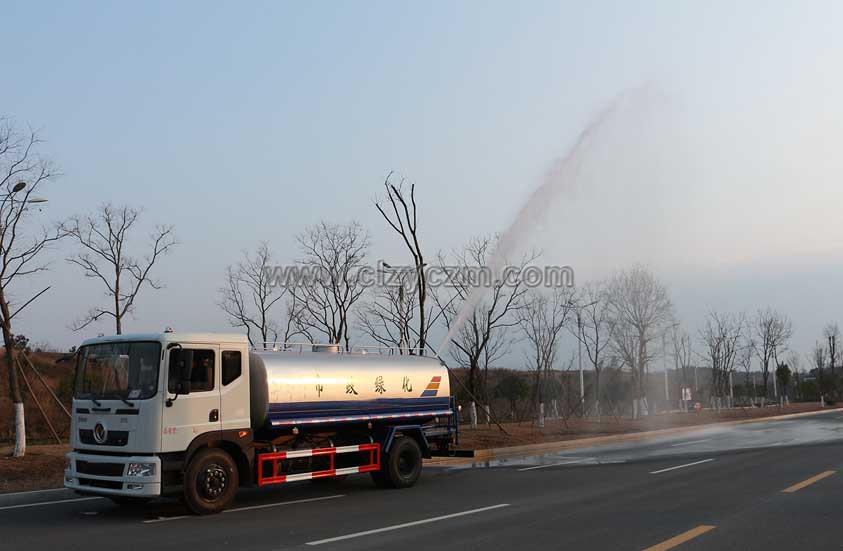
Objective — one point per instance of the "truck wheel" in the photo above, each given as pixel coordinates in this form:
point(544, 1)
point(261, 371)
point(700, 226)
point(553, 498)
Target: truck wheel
point(402, 466)
point(210, 481)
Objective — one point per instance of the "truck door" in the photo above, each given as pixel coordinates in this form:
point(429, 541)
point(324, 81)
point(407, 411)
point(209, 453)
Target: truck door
point(189, 415)
point(234, 399)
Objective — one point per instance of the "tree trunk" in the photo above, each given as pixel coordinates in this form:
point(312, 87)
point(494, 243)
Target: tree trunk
point(472, 412)
point(20, 431)
point(117, 316)
point(14, 384)
point(597, 393)
point(541, 414)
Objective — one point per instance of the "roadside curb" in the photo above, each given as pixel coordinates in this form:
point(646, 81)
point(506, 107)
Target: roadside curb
point(547, 447)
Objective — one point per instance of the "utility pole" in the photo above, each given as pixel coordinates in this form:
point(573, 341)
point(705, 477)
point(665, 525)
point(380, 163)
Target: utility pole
point(664, 364)
point(403, 342)
point(579, 359)
point(731, 392)
point(696, 382)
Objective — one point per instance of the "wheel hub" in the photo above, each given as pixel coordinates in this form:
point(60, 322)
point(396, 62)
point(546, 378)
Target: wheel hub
point(213, 480)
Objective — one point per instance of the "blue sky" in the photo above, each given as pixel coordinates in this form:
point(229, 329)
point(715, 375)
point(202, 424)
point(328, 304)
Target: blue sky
point(241, 123)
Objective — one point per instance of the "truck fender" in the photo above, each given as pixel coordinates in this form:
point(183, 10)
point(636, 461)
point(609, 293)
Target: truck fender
point(234, 442)
point(411, 431)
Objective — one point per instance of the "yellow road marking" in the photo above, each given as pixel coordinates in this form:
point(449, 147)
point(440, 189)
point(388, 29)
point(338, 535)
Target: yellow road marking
point(681, 538)
point(817, 478)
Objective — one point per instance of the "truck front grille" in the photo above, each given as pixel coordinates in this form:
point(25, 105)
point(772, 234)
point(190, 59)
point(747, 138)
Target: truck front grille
point(99, 469)
point(93, 483)
point(114, 437)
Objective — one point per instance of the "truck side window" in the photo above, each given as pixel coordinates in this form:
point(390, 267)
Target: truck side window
point(201, 374)
point(231, 366)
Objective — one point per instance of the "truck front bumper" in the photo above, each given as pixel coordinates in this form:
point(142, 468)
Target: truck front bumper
point(108, 475)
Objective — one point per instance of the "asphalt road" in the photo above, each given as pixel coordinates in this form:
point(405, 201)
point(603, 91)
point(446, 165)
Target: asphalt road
point(774, 485)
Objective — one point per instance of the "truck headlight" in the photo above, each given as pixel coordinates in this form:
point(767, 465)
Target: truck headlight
point(141, 469)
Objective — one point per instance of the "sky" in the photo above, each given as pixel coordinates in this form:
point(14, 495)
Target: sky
point(246, 123)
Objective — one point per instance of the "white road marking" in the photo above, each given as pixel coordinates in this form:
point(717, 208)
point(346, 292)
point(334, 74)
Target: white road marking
point(556, 464)
point(32, 492)
point(282, 503)
point(689, 443)
point(407, 524)
point(681, 466)
point(165, 519)
point(47, 503)
point(249, 508)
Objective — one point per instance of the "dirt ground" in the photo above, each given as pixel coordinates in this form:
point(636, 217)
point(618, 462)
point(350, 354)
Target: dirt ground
point(43, 466)
point(556, 430)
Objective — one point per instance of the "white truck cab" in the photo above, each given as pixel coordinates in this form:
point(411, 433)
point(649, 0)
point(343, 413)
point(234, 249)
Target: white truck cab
point(127, 414)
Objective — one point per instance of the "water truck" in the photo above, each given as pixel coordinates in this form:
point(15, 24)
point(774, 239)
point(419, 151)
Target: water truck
point(199, 415)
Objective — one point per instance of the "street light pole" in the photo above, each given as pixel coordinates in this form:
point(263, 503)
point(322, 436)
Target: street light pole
point(579, 359)
point(664, 364)
point(731, 392)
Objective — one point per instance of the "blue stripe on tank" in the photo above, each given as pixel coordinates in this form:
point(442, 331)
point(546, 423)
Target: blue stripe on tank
point(345, 408)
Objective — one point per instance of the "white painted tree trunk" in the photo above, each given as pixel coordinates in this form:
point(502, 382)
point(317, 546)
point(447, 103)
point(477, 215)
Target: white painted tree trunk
point(635, 408)
point(555, 409)
point(641, 408)
point(541, 414)
point(20, 431)
point(472, 412)
point(487, 413)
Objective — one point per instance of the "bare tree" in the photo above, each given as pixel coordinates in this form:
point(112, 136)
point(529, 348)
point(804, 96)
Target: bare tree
point(683, 356)
point(771, 333)
point(832, 336)
point(388, 316)
point(794, 361)
point(642, 311)
point(22, 173)
point(744, 361)
point(103, 236)
point(819, 359)
point(401, 213)
point(489, 318)
point(252, 298)
point(593, 327)
point(332, 255)
point(721, 339)
point(542, 318)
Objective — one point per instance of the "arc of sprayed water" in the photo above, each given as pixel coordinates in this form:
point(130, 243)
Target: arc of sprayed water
point(556, 180)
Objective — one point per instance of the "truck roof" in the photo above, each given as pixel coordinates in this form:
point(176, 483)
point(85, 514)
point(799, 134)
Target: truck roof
point(228, 338)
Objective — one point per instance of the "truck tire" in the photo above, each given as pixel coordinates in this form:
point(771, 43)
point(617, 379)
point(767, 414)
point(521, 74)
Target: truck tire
point(402, 466)
point(210, 481)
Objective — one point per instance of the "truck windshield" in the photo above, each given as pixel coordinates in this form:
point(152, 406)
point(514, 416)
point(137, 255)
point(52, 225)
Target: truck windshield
point(120, 370)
